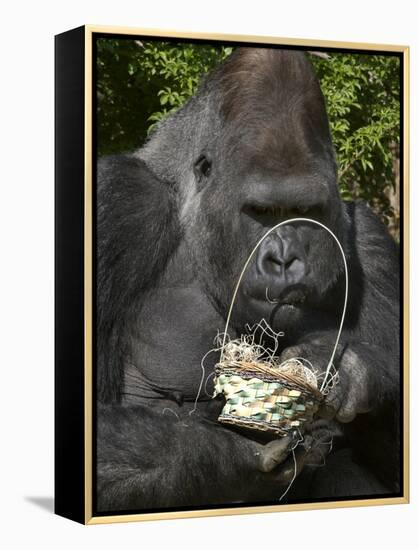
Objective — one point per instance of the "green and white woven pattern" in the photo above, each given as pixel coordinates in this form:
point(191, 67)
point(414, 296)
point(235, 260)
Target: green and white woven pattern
point(276, 406)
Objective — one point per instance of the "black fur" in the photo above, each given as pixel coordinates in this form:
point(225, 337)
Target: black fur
point(176, 221)
point(134, 245)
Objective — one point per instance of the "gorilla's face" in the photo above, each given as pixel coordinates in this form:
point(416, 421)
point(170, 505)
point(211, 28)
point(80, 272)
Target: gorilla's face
point(295, 264)
point(270, 159)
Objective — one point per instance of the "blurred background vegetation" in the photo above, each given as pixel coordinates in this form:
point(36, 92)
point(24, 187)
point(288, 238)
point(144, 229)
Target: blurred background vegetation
point(139, 83)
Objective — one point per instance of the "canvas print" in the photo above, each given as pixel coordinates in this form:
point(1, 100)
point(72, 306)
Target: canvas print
point(247, 280)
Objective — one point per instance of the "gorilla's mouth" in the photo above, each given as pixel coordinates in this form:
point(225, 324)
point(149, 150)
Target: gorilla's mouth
point(282, 308)
point(293, 296)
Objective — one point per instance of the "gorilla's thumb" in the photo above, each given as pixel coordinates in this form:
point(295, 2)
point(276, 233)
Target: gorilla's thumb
point(274, 453)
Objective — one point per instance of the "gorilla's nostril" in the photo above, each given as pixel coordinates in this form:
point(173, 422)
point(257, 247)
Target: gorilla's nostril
point(275, 260)
point(295, 268)
point(289, 263)
point(284, 263)
point(274, 265)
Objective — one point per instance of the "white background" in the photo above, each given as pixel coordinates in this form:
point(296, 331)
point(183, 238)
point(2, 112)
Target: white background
point(26, 218)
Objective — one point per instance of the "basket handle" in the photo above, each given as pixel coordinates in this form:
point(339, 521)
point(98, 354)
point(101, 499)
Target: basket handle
point(293, 220)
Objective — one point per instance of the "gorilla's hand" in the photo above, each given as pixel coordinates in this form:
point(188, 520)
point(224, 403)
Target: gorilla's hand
point(356, 383)
point(352, 394)
point(265, 458)
point(278, 462)
point(312, 449)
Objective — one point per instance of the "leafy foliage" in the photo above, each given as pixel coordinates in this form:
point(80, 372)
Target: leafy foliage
point(139, 83)
point(362, 95)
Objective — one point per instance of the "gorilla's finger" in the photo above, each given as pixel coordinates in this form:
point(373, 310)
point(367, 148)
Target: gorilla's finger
point(289, 353)
point(346, 414)
point(292, 467)
point(275, 452)
point(326, 411)
point(214, 406)
point(319, 425)
point(347, 410)
point(333, 402)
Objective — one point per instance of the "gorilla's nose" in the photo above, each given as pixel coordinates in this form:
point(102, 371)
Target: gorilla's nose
point(282, 258)
point(290, 266)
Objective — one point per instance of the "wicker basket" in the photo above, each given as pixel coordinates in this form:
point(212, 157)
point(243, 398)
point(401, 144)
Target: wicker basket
point(275, 402)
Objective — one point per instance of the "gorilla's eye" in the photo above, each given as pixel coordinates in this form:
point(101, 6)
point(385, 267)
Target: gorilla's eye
point(202, 167)
point(297, 212)
point(270, 215)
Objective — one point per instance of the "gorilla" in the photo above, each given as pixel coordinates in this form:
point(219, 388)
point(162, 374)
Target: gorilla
point(176, 221)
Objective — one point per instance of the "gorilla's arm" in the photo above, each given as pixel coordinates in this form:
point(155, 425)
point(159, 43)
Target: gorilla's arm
point(376, 350)
point(370, 361)
point(147, 459)
point(137, 231)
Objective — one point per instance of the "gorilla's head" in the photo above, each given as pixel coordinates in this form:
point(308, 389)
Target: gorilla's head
point(252, 148)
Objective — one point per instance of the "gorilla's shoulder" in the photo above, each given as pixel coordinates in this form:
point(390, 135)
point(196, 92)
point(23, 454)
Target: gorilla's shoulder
point(372, 238)
point(126, 179)
point(125, 168)
point(135, 211)
point(111, 163)
point(366, 221)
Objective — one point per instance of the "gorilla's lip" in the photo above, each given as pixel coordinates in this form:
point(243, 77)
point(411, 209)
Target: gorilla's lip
point(291, 296)
point(284, 307)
